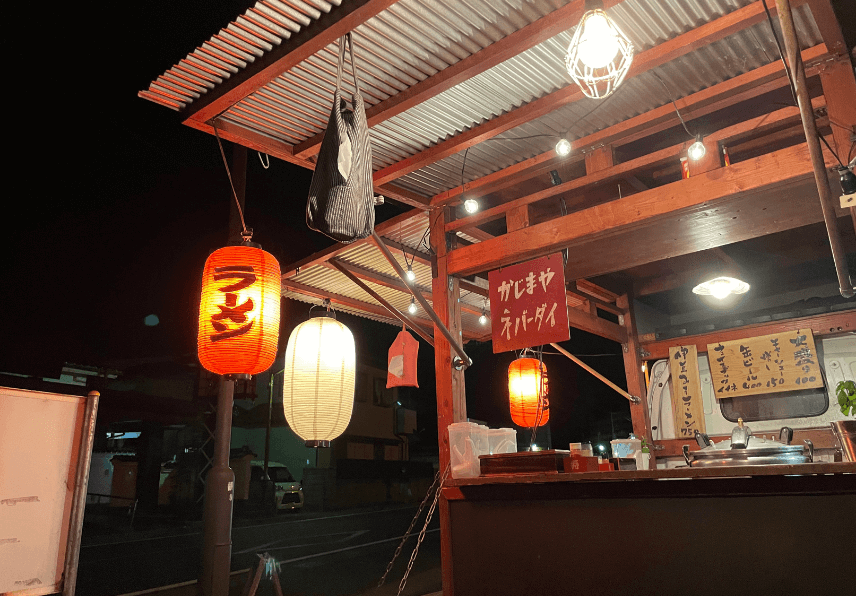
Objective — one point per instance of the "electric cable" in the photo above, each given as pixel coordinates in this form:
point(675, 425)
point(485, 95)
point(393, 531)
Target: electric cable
point(246, 233)
point(671, 97)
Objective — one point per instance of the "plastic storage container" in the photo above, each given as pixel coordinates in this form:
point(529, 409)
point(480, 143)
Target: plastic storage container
point(625, 447)
point(482, 439)
point(583, 449)
point(502, 440)
point(464, 451)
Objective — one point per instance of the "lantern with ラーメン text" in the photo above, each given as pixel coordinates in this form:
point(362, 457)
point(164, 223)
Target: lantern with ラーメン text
point(318, 380)
point(239, 311)
point(527, 392)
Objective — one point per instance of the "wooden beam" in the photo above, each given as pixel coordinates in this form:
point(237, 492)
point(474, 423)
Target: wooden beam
point(593, 324)
point(387, 282)
point(681, 45)
point(830, 324)
point(405, 319)
point(633, 373)
point(827, 24)
point(390, 225)
point(506, 48)
point(309, 40)
point(775, 171)
point(754, 126)
point(723, 95)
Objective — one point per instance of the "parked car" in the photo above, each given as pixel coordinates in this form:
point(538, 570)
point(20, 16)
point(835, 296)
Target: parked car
point(288, 493)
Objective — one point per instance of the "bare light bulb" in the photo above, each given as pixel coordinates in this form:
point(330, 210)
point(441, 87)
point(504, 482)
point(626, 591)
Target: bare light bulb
point(563, 148)
point(412, 308)
point(598, 45)
point(483, 319)
point(471, 205)
point(721, 287)
point(696, 150)
point(410, 275)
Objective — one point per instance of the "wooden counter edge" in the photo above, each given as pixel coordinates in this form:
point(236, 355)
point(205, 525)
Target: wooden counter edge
point(663, 474)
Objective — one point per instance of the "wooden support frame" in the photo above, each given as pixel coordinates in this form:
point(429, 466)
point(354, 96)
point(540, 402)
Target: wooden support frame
point(777, 172)
point(681, 45)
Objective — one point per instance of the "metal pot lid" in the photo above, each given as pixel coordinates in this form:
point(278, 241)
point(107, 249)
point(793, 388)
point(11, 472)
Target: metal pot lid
point(754, 443)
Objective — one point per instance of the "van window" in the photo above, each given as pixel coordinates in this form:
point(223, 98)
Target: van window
point(278, 474)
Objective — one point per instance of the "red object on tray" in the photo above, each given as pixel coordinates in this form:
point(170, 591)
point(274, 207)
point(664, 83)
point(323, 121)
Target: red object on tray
point(581, 463)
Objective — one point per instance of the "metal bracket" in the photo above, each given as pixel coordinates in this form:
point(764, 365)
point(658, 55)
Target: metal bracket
point(458, 364)
point(643, 353)
point(625, 348)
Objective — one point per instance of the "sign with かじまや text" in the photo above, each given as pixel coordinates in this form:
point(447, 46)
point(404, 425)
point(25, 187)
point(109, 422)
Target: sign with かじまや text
point(687, 404)
point(528, 305)
point(765, 364)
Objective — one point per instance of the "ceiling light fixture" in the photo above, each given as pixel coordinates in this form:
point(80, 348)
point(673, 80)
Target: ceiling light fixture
point(563, 148)
point(697, 149)
point(599, 55)
point(412, 308)
point(721, 287)
point(471, 205)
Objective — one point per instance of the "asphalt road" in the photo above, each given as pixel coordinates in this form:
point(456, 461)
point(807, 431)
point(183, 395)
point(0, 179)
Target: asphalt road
point(332, 554)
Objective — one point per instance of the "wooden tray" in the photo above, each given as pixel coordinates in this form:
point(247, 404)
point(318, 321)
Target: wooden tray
point(548, 461)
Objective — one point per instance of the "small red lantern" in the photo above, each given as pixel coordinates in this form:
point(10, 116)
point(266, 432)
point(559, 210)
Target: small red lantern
point(527, 392)
point(239, 311)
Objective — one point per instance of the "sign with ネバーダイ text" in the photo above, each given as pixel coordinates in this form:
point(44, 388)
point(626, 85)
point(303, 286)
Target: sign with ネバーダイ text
point(687, 406)
point(765, 364)
point(528, 305)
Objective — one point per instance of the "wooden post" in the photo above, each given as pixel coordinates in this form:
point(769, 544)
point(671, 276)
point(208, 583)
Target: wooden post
point(839, 88)
point(599, 159)
point(517, 218)
point(633, 370)
point(451, 395)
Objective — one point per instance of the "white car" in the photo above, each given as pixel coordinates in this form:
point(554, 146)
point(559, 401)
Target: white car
point(287, 491)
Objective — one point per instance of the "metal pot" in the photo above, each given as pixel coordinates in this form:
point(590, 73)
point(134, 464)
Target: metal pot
point(743, 449)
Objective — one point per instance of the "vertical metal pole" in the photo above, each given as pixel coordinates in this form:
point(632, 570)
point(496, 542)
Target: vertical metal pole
point(219, 491)
point(81, 480)
point(792, 51)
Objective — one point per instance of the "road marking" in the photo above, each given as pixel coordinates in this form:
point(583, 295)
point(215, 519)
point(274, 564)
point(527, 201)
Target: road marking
point(346, 548)
point(262, 547)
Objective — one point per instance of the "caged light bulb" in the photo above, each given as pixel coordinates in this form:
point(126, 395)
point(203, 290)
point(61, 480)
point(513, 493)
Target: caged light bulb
point(598, 44)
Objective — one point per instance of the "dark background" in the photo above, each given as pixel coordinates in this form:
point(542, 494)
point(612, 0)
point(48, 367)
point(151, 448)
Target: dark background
point(112, 207)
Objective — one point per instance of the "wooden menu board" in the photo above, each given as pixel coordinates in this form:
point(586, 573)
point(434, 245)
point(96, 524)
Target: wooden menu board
point(765, 364)
point(687, 406)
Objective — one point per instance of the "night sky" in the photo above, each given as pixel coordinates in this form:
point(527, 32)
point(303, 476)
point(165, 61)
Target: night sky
point(112, 207)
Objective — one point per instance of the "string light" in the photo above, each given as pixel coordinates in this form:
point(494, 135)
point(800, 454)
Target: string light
point(563, 148)
point(471, 205)
point(412, 308)
point(410, 275)
point(697, 149)
point(483, 318)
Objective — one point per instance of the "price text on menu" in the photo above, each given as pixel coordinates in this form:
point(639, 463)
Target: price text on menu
point(766, 364)
point(528, 305)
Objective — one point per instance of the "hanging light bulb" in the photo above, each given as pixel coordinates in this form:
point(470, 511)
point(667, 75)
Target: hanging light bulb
point(483, 318)
point(471, 205)
point(599, 55)
point(563, 148)
point(697, 149)
point(412, 308)
point(410, 275)
point(721, 287)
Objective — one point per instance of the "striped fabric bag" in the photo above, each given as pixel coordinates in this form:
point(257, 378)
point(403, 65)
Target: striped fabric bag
point(341, 196)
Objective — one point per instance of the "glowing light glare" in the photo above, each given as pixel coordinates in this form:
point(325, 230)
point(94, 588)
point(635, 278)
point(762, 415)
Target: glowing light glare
point(410, 275)
point(527, 392)
point(412, 308)
point(598, 43)
point(483, 319)
point(696, 150)
point(599, 55)
point(721, 287)
point(563, 148)
point(471, 205)
point(319, 380)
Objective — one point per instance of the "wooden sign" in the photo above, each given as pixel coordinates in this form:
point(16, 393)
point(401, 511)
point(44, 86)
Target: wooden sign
point(527, 304)
point(687, 405)
point(766, 364)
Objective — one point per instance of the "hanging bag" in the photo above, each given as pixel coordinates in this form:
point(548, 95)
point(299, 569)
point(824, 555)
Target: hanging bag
point(401, 365)
point(341, 196)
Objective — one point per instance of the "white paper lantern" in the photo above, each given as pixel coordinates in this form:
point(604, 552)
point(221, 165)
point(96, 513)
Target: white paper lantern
point(318, 380)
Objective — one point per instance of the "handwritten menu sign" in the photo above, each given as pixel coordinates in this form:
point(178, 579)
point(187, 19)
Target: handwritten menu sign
point(687, 405)
point(765, 364)
point(528, 305)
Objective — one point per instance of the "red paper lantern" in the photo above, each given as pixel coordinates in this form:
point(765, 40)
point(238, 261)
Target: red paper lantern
point(527, 392)
point(239, 311)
